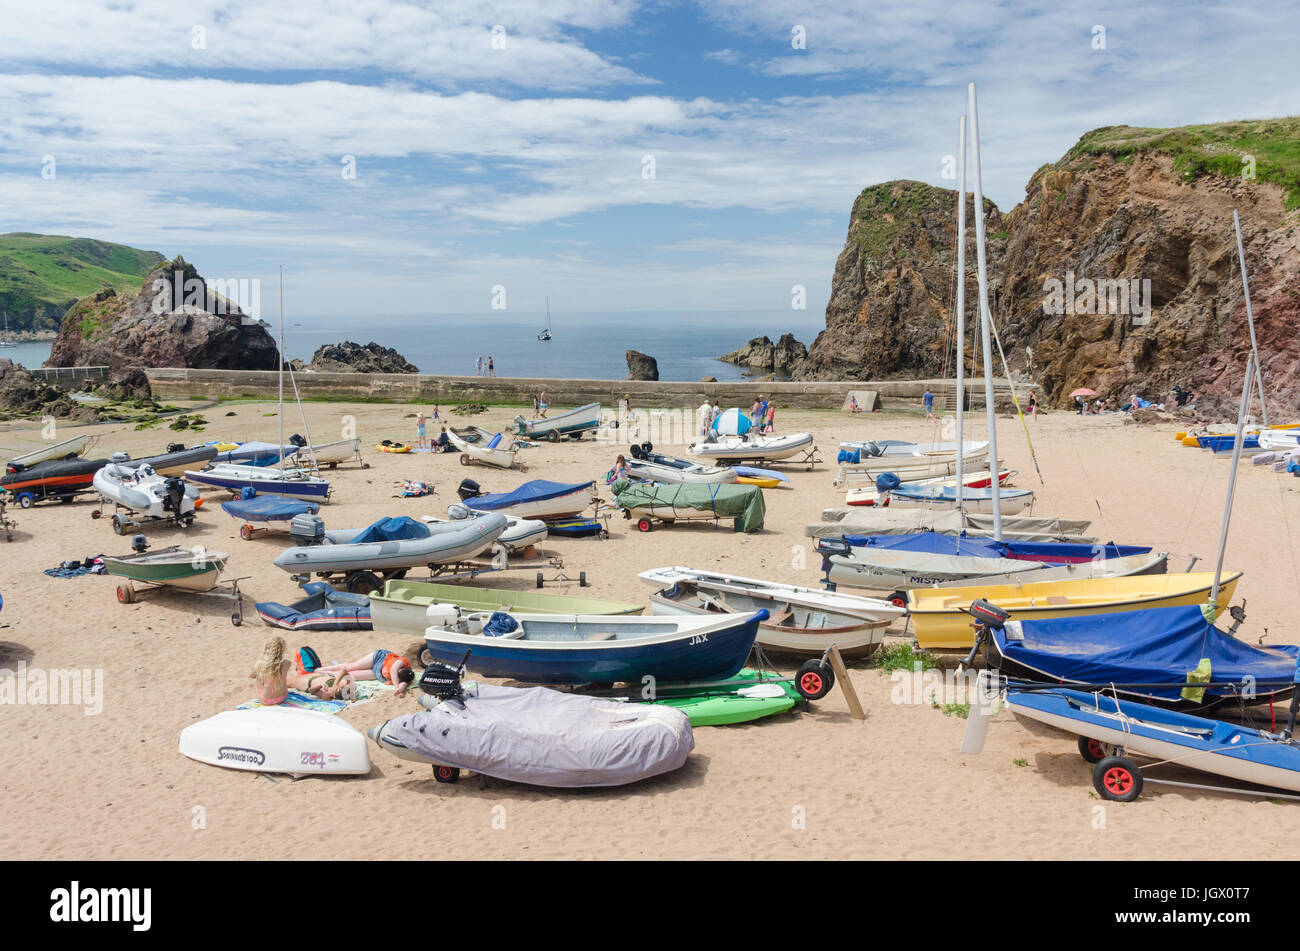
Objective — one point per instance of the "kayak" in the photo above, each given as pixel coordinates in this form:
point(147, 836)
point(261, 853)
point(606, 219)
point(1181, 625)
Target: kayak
point(387, 446)
point(763, 478)
point(733, 705)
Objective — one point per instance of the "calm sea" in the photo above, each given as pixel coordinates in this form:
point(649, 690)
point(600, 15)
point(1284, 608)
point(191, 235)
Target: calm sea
point(591, 346)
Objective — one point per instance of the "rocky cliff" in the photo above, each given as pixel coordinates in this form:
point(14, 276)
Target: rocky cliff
point(1118, 271)
point(761, 353)
point(350, 357)
point(174, 320)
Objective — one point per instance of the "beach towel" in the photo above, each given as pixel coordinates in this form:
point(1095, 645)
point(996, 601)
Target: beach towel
point(367, 690)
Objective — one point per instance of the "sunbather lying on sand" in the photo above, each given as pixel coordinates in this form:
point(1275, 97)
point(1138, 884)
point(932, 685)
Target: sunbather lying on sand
point(276, 675)
point(381, 665)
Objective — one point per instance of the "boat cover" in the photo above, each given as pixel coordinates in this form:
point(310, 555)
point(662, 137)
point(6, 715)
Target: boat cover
point(544, 737)
point(268, 508)
point(538, 490)
point(398, 529)
point(936, 543)
point(1155, 646)
point(723, 499)
point(494, 441)
point(323, 609)
point(838, 521)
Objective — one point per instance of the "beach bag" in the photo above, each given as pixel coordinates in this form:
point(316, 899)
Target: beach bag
point(247, 492)
point(499, 623)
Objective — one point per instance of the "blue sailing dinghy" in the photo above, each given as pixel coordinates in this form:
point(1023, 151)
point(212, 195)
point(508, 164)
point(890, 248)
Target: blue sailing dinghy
point(1158, 646)
point(1049, 553)
point(324, 609)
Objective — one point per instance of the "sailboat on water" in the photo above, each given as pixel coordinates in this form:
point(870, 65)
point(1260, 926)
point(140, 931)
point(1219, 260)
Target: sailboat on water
point(5, 341)
point(546, 334)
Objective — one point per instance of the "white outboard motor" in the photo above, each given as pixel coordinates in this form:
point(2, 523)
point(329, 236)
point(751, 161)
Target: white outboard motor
point(118, 458)
point(456, 511)
point(445, 617)
point(307, 529)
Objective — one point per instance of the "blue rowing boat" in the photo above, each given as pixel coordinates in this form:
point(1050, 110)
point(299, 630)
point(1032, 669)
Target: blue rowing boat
point(583, 649)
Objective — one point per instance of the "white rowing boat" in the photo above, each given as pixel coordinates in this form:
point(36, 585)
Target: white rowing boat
point(487, 454)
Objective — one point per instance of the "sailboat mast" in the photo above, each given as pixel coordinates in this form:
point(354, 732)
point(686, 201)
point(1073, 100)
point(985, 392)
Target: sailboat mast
point(1232, 481)
point(1250, 318)
point(961, 308)
point(986, 318)
point(280, 410)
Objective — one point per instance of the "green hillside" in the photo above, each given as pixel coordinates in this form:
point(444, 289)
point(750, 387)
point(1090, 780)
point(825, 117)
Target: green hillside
point(1217, 148)
point(42, 274)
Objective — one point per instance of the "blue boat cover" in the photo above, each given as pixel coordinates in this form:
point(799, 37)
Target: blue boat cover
point(494, 441)
point(400, 528)
point(935, 543)
point(1155, 646)
point(535, 491)
point(268, 508)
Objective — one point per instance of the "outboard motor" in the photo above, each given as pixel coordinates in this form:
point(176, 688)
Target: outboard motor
point(307, 529)
point(173, 492)
point(118, 458)
point(647, 447)
point(442, 681)
point(139, 544)
point(297, 440)
point(176, 447)
point(988, 617)
point(468, 489)
point(456, 511)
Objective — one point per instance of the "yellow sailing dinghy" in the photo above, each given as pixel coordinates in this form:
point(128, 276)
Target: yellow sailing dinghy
point(939, 620)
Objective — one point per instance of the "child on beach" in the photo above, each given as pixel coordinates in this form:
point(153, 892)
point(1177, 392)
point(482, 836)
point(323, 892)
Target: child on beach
point(1033, 405)
point(435, 412)
point(619, 471)
point(769, 424)
point(381, 665)
point(543, 401)
point(276, 675)
point(928, 402)
point(492, 367)
point(421, 439)
point(853, 404)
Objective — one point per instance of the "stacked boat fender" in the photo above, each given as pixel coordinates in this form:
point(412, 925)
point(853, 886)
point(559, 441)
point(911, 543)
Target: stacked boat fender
point(540, 736)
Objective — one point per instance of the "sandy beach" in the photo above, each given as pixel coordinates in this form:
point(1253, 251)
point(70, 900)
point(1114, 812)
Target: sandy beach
point(810, 785)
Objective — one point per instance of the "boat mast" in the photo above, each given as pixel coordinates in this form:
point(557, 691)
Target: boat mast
point(961, 307)
point(1250, 319)
point(280, 410)
point(986, 318)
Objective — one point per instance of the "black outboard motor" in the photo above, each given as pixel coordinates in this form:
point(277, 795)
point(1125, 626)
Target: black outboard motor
point(468, 489)
point(176, 447)
point(139, 544)
point(637, 452)
point(173, 492)
point(443, 681)
point(297, 440)
point(988, 617)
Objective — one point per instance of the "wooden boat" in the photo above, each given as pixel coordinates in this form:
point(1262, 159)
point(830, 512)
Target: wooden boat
point(402, 606)
point(74, 446)
point(801, 620)
point(294, 483)
point(175, 567)
point(571, 424)
point(1118, 729)
point(332, 453)
point(489, 453)
point(940, 622)
point(579, 649)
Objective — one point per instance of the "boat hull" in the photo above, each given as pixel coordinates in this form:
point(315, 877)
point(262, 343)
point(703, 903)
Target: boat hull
point(278, 740)
point(498, 458)
point(756, 449)
point(175, 568)
point(853, 637)
point(571, 423)
point(401, 606)
point(235, 479)
point(59, 450)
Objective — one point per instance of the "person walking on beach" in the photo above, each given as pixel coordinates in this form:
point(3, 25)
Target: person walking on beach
point(435, 412)
point(492, 367)
point(769, 422)
point(1033, 404)
point(478, 367)
point(543, 401)
point(756, 412)
point(703, 417)
point(928, 402)
point(421, 439)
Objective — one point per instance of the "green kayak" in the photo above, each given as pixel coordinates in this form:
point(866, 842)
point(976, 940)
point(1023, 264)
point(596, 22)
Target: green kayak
point(728, 705)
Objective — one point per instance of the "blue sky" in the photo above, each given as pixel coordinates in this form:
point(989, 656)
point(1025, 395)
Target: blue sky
point(219, 130)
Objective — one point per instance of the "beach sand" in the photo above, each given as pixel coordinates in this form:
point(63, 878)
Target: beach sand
point(814, 785)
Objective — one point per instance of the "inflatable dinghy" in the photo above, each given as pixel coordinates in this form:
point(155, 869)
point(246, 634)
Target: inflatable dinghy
point(323, 609)
point(278, 740)
point(390, 543)
point(142, 491)
point(540, 736)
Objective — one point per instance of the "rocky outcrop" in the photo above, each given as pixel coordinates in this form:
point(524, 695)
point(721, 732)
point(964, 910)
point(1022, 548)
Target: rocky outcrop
point(761, 353)
point(641, 366)
point(128, 383)
point(1118, 271)
point(175, 320)
point(21, 394)
point(350, 357)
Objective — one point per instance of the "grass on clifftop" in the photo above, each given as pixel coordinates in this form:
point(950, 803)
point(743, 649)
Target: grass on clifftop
point(1220, 148)
point(41, 274)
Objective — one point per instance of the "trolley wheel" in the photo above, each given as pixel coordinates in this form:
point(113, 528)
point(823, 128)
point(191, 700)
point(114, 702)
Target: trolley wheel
point(540, 579)
point(365, 465)
point(464, 459)
point(185, 521)
point(236, 619)
point(898, 599)
point(1117, 778)
point(1094, 751)
point(582, 579)
point(117, 525)
point(97, 513)
point(426, 659)
point(25, 500)
point(446, 774)
point(333, 465)
point(125, 595)
point(553, 436)
point(644, 525)
point(363, 582)
point(814, 679)
point(246, 532)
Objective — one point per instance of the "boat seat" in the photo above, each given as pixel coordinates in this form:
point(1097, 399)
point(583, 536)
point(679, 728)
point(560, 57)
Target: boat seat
point(599, 636)
point(782, 617)
point(514, 635)
point(1057, 599)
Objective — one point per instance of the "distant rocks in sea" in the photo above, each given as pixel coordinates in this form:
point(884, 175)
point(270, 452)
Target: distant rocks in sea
point(641, 366)
point(762, 354)
point(350, 357)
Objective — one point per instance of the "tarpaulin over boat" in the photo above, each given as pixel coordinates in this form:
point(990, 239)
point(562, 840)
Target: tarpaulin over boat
point(937, 543)
point(538, 490)
point(268, 508)
point(544, 737)
point(1155, 646)
point(400, 528)
point(839, 521)
point(724, 500)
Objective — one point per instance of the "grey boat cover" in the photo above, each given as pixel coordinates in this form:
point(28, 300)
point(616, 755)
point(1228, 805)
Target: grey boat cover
point(866, 520)
point(721, 499)
point(544, 737)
